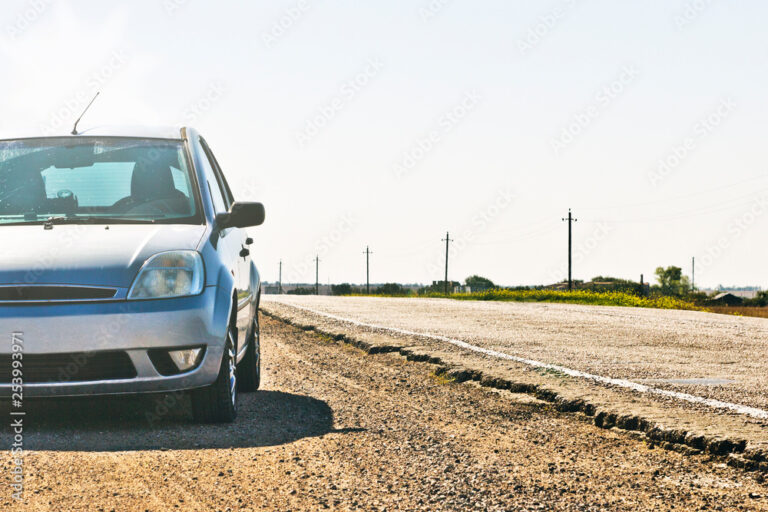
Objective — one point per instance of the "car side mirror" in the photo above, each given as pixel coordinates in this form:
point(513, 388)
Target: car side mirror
point(241, 215)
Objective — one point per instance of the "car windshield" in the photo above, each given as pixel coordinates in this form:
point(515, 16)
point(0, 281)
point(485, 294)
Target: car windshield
point(95, 179)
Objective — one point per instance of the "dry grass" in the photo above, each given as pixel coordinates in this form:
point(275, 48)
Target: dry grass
point(587, 297)
point(740, 311)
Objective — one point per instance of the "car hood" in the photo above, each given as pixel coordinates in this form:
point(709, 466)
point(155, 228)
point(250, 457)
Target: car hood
point(80, 254)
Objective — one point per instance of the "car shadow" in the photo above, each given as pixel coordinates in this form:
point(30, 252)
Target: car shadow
point(163, 421)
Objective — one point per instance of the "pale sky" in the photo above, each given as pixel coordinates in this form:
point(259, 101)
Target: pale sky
point(389, 123)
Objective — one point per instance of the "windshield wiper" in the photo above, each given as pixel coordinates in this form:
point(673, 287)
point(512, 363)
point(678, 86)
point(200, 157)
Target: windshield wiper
point(114, 220)
point(48, 224)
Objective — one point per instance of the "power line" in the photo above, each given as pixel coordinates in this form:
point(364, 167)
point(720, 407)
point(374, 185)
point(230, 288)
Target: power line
point(280, 279)
point(521, 237)
point(317, 275)
point(367, 253)
point(675, 199)
point(447, 240)
point(707, 210)
point(570, 220)
point(693, 274)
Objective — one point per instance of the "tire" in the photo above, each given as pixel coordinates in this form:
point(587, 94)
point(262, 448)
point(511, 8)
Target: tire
point(217, 403)
point(249, 369)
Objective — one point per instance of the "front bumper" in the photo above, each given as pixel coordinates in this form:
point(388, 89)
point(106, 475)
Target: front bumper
point(130, 326)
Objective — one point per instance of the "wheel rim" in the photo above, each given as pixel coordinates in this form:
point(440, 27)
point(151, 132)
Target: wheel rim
point(232, 368)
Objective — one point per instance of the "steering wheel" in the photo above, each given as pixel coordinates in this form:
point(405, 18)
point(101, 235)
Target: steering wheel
point(123, 203)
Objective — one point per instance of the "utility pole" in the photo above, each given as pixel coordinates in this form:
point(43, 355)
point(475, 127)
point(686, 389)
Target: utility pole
point(693, 274)
point(570, 220)
point(317, 275)
point(367, 253)
point(280, 279)
point(447, 240)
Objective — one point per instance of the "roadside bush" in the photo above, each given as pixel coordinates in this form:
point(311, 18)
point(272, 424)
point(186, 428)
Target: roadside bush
point(391, 289)
point(301, 291)
point(341, 289)
point(760, 300)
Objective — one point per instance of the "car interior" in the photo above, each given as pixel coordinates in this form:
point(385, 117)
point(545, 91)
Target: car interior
point(152, 189)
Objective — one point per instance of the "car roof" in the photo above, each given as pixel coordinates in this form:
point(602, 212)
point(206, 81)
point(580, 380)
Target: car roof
point(149, 132)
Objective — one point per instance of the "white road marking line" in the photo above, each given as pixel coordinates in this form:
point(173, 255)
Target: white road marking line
point(641, 388)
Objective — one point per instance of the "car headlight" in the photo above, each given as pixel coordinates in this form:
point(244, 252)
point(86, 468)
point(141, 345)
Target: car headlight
point(169, 274)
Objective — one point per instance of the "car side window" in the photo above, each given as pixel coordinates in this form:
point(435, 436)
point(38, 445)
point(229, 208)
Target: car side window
point(217, 197)
point(228, 197)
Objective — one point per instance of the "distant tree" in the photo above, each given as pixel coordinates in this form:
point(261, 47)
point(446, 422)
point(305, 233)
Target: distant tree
point(759, 300)
point(672, 281)
point(390, 289)
point(608, 279)
point(341, 289)
point(479, 282)
point(301, 291)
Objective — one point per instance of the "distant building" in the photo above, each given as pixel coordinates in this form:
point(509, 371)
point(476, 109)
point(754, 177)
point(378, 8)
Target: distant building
point(272, 288)
point(745, 292)
point(726, 299)
point(439, 286)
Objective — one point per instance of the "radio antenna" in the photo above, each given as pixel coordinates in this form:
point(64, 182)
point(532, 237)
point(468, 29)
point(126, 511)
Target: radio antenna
point(74, 129)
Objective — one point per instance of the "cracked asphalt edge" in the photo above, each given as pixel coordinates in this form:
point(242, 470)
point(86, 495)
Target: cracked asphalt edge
point(735, 452)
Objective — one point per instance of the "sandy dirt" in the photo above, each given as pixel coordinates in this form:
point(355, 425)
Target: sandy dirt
point(335, 428)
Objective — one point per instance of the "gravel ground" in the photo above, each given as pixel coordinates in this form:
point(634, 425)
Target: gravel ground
point(709, 355)
point(338, 429)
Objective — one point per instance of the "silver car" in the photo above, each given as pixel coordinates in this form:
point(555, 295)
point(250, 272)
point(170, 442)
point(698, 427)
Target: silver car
point(125, 268)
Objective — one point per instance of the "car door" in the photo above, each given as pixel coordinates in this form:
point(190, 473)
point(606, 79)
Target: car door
point(238, 246)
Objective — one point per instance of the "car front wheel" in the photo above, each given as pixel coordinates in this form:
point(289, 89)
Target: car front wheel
point(249, 369)
point(217, 403)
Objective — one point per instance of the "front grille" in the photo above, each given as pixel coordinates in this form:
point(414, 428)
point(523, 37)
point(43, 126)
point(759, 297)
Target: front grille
point(70, 367)
point(26, 293)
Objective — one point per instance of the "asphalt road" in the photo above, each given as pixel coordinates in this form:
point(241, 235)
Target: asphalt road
point(721, 357)
point(335, 428)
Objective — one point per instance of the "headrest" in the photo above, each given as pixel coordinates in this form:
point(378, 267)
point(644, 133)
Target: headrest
point(151, 180)
point(21, 191)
